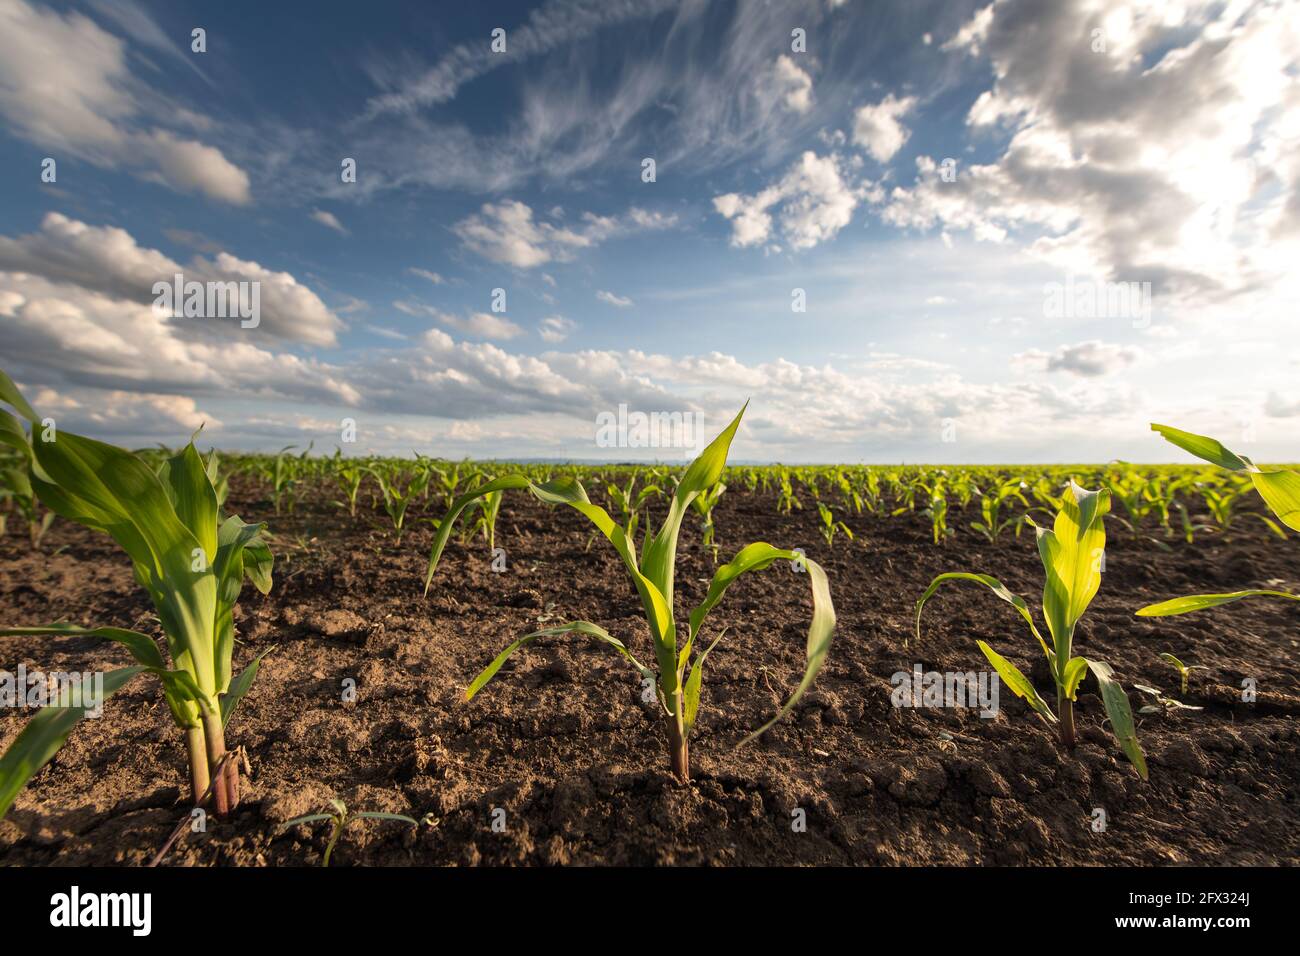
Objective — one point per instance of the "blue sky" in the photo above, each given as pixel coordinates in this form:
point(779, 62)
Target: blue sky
point(1092, 142)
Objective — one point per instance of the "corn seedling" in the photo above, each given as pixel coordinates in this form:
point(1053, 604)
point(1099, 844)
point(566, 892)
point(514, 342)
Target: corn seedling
point(829, 526)
point(17, 488)
point(1184, 670)
point(397, 496)
point(1071, 553)
point(991, 508)
point(704, 504)
point(938, 515)
point(349, 478)
point(191, 561)
point(678, 680)
point(1280, 490)
point(1163, 705)
point(485, 522)
point(340, 817)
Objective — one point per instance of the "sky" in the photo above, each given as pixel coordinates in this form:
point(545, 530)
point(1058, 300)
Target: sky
point(915, 231)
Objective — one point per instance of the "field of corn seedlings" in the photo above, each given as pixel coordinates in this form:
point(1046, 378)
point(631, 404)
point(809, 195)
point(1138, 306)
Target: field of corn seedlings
point(314, 660)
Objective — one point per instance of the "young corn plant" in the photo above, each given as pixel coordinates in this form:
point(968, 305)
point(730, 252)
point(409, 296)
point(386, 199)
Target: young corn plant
point(830, 526)
point(1184, 670)
point(991, 508)
point(190, 560)
point(680, 672)
point(17, 488)
point(704, 504)
point(398, 496)
point(1280, 490)
point(339, 816)
point(485, 521)
point(1071, 552)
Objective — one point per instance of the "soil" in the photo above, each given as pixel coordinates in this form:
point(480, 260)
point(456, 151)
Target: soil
point(564, 757)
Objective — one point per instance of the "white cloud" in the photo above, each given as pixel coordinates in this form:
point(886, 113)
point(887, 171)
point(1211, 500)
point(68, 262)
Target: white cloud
point(329, 220)
point(555, 328)
point(610, 298)
point(65, 85)
point(507, 232)
point(1086, 359)
point(814, 200)
point(787, 85)
point(876, 126)
point(481, 325)
point(433, 277)
point(107, 260)
point(1161, 158)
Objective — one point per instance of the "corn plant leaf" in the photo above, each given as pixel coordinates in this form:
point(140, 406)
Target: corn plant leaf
point(240, 686)
point(185, 479)
point(1280, 489)
point(994, 585)
point(1071, 555)
point(752, 557)
point(660, 553)
point(44, 734)
point(12, 434)
point(1198, 602)
point(820, 631)
point(574, 627)
point(1202, 446)
point(569, 491)
point(10, 395)
point(141, 646)
point(1018, 682)
point(694, 684)
point(1074, 672)
point(1121, 717)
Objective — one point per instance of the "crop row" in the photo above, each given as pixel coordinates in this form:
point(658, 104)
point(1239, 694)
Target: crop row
point(167, 511)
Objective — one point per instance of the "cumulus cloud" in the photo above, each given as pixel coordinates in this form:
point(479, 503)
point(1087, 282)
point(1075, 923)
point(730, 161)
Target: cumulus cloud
point(107, 260)
point(1155, 155)
point(787, 86)
point(876, 126)
point(65, 85)
point(1086, 359)
point(814, 203)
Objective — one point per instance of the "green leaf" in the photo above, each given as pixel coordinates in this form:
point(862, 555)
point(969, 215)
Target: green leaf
point(1018, 682)
point(820, 631)
point(141, 646)
point(994, 585)
point(1071, 554)
point(1074, 671)
point(694, 684)
point(240, 686)
point(1121, 717)
point(1279, 489)
point(578, 627)
point(45, 734)
point(1202, 447)
point(1198, 602)
point(9, 393)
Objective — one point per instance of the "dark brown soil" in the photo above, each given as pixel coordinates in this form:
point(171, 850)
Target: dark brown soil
point(563, 744)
